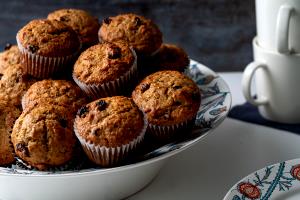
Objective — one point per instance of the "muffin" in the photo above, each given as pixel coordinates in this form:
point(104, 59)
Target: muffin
point(170, 101)
point(106, 69)
point(109, 129)
point(10, 56)
point(47, 47)
point(85, 25)
point(56, 92)
point(170, 57)
point(8, 115)
point(141, 33)
point(14, 83)
point(43, 136)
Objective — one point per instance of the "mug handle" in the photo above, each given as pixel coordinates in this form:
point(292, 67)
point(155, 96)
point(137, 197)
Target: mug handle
point(247, 80)
point(282, 29)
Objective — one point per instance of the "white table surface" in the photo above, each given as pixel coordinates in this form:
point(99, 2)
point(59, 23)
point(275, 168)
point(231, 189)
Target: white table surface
point(212, 166)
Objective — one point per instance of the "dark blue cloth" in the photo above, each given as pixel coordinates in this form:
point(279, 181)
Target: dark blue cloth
point(249, 113)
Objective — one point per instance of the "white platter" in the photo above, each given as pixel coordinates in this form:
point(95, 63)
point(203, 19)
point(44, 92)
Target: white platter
point(120, 182)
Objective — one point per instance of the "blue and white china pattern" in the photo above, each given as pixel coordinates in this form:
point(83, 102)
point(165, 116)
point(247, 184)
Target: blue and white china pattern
point(278, 181)
point(215, 105)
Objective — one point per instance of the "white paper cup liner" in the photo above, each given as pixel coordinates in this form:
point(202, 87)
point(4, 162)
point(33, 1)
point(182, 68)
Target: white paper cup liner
point(111, 88)
point(169, 132)
point(110, 156)
point(43, 67)
point(23, 103)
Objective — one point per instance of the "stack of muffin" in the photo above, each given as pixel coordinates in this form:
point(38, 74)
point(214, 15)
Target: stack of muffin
point(70, 79)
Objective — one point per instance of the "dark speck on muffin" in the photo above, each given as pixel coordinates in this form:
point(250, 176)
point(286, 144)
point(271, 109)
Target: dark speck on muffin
point(177, 87)
point(195, 96)
point(177, 102)
point(7, 46)
point(107, 20)
point(138, 21)
point(101, 105)
point(1, 76)
point(33, 48)
point(21, 147)
point(63, 122)
point(82, 111)
point(64, 19)
point(144, 87)
point(114, 53)
point(95, 131)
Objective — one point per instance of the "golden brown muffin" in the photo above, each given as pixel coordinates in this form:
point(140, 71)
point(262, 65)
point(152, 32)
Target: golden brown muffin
point(109, 122)
point(57, 92)
point(8, 115)
point(14, 83)
point(106, 69)
point(11, 56)
point(42, 136)
point(141, 33)
point(170, 57)
point(84, 24)
point(103, 62)
point(167, 98)
point(110, 129)
point(49, 38)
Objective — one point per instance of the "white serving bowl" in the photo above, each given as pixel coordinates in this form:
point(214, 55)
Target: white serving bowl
point(120, 182)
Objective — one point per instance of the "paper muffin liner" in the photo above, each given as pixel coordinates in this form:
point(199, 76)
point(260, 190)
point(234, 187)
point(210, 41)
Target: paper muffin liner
point(170, 132)
point(111, 88)
point(23, 103)
point(110, 156)
point(41, 66)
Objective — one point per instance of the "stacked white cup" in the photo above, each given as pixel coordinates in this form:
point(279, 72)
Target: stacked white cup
point(276, 64)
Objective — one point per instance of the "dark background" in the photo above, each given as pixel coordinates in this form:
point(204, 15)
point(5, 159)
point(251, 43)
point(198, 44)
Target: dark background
point(217, 33)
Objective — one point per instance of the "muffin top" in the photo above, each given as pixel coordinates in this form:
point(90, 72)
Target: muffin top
point(110, 122)
point(170, 57)
point(10, 56)
point(103, 62)
point(48, 38)
point(84, 24)
point(167, 97)
point(42, 136)
point(141, 33)
point(57, 92)
point(14, 83)
point(8, 115)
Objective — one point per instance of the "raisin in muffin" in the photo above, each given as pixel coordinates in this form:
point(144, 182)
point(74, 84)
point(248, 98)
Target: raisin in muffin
point(47, 47)
point(9, 57)
point(105, 69)
point(56, 92)
point(43, 136)
point(14, 83)
point(109, 129)
point(8, 114)
point(82, 22)
point(170, 100)
point(141, 33)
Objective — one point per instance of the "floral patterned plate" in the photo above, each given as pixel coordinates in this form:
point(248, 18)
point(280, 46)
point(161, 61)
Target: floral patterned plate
point(280, 181)
point(80, 181)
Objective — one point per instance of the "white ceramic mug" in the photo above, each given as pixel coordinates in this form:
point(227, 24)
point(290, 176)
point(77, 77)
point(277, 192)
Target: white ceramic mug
point(277, 81)
point(278, 25)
